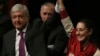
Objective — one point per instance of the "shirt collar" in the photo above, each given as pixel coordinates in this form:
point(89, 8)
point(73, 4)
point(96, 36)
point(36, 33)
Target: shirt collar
point(24, 30)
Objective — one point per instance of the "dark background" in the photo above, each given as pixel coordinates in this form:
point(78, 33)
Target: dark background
point(77, 9)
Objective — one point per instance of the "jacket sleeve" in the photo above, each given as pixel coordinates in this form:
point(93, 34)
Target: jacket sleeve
point(67, 23)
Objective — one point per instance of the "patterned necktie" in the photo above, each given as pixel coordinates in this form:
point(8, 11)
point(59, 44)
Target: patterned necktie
point(21, 45)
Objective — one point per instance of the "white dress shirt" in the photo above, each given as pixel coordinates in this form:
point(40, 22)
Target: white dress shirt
point(18, 37)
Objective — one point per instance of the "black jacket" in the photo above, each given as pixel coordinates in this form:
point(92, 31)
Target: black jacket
point(33, 39)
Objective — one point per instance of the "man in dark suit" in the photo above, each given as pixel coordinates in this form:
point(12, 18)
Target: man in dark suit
point(26, 39)
point(5, 22)
point(54, 31)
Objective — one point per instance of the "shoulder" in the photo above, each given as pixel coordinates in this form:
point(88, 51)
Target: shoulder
point(8, 36)
point(9, 33)
point(97, 53)
point(37, 22)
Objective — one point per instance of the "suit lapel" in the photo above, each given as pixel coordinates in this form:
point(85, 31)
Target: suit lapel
point(27, 34)
point(32, 30)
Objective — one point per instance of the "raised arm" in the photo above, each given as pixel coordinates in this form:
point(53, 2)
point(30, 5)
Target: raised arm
point(65, 19)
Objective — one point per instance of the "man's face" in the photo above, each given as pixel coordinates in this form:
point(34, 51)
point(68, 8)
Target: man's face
point(46, 12)
point(19, 19)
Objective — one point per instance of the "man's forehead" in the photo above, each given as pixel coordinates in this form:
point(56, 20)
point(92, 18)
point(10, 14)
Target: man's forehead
point(50, 6)
point(47, 8)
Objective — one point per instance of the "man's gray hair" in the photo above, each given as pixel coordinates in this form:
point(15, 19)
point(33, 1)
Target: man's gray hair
point(20, 7)
point(48, 4)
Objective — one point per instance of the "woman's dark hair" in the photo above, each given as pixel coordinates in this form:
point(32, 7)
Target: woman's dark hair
point(88, 23)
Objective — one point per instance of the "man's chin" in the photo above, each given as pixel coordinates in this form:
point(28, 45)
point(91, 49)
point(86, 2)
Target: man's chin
point(18, 27)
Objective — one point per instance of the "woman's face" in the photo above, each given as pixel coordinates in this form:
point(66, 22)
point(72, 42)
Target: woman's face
point(82, 32)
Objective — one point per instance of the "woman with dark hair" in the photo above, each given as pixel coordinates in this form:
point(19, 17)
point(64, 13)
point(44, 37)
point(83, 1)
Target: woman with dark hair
point(79, 43)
